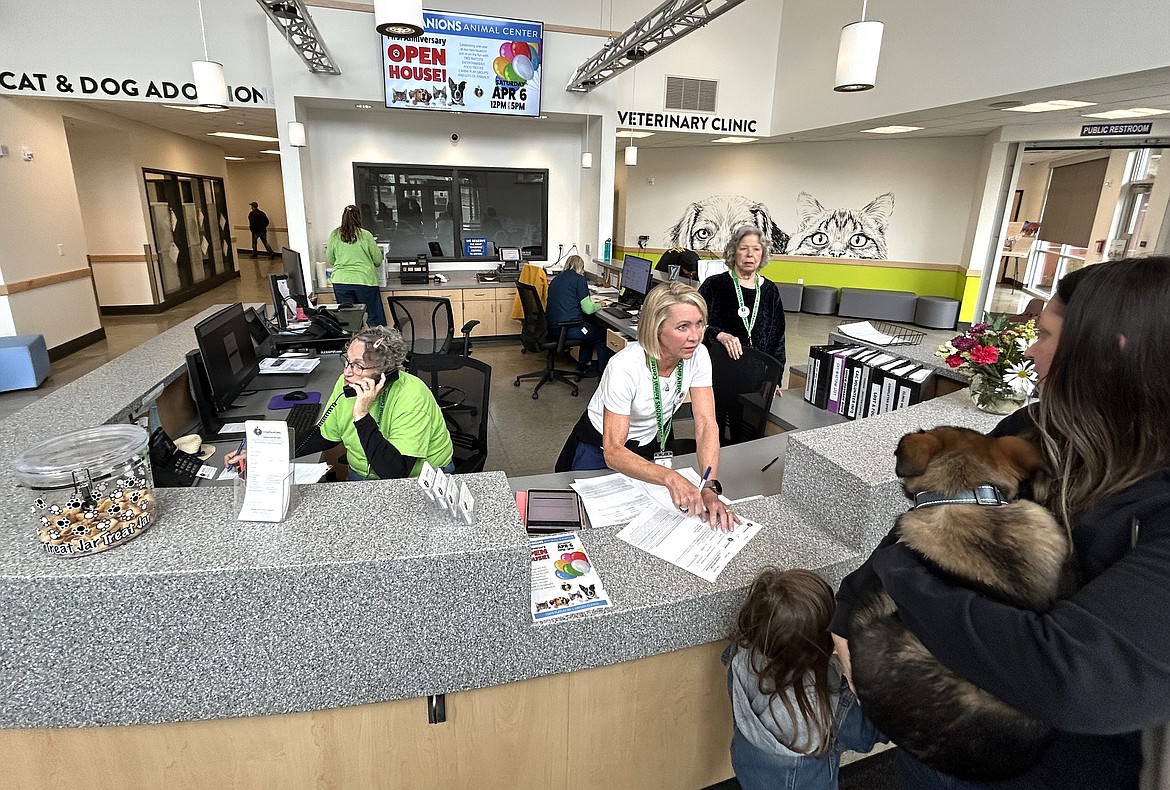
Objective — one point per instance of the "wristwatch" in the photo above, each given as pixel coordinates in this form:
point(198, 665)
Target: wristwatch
point(714, 485)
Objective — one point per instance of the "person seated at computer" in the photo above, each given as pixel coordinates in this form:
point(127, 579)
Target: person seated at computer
point(568, 301)
point(390, 425)
point(627, 423)
point(356, 258)
point(743, 308)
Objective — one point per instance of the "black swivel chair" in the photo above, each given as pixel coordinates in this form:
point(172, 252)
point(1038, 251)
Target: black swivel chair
point(535, 336)
point(743, 390)
point(466, 420)
point(428, 326)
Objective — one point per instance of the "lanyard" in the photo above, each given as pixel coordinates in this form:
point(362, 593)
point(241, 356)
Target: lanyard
point(747, 316)
point(664, 427)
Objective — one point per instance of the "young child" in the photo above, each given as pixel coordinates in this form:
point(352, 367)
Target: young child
point(794, 712)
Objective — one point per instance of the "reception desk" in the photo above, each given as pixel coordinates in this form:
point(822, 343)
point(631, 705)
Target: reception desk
point(214, 653)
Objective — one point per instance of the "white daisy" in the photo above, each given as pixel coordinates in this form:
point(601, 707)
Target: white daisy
point(1021, 378)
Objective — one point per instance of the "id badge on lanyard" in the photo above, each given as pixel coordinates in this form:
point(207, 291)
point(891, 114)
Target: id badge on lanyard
point(664, 458)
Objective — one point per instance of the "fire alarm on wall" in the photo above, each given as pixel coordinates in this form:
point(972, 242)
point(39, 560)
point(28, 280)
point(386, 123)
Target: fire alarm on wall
point(27, 153)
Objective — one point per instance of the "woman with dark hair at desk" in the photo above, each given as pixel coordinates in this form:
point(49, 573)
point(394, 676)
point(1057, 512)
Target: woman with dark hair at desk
point(355, 258)
point(391, 423)
point(569, 301)
point(743, 308)
point(628, 421)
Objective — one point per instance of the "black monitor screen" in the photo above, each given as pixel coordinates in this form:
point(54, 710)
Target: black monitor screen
point(228, 355)
point(296, 275)
point(635, 277)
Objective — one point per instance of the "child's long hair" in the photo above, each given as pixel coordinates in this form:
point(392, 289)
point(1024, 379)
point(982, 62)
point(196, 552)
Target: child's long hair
point(784, 626)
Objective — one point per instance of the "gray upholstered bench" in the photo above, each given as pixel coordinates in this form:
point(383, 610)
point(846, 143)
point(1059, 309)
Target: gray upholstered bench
point(791, 295)
point(819, 299)
point(882, 305)
point(936, 312)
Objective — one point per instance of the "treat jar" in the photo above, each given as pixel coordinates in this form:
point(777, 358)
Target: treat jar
point(88, 491)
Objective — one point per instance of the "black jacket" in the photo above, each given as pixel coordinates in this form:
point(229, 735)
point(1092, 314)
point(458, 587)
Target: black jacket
point(257, 221)
point(1096, 666)
point(722, 316)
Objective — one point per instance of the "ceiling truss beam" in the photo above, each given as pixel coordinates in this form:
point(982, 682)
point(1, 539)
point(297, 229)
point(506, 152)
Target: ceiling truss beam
point(292, 19)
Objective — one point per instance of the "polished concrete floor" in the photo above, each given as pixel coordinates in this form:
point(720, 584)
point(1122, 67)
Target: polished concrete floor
point(524, 435)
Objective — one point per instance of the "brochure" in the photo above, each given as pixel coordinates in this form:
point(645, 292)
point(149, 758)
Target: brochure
point(564, 580)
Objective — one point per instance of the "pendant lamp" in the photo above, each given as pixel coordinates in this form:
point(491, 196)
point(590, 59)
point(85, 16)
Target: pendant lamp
point(399, 18)
point(210, 84)
point(587, 160)
point(631, 155)
point(296, 134)
point(857, 55)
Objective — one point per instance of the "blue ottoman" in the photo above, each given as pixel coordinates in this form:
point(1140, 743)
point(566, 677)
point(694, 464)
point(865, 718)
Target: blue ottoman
point(24, 362)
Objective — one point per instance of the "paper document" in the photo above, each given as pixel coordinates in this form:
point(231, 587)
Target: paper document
point(687, 542)
point(612, 499)
point(564, 580)
point(268, 486)
point(308, 473)
point(288, 365)
point(864, 330)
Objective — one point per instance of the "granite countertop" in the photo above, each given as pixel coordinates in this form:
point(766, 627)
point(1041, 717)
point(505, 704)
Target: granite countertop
point(361, 594)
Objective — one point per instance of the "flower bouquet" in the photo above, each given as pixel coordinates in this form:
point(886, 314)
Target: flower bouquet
point(992, 352)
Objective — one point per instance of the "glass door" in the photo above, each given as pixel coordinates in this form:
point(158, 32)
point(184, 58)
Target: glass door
point(189, 224)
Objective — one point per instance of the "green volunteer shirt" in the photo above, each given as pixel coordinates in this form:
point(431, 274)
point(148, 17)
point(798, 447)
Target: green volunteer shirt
point(353, 264)
point(407, 415)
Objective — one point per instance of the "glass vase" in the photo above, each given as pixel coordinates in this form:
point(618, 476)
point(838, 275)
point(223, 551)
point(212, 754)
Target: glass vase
point(994, 396)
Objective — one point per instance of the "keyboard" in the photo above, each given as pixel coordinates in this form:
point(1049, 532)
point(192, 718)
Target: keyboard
point(617, 312)
point(302, 418)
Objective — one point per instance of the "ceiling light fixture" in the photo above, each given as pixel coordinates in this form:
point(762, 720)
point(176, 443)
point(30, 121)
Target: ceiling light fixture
point(195, 108)
point(631, 155)
point(234, 158)
point(296, 134)
point(259, 138)
point(633, 134)
point(270, 151)
point(891, 129)
point(1050, 106)
point(210, 84)
point(285, 10)
point(1132, 112)
point(734, 139)
point(857, 54)
point(398, 18)
point(364, 106)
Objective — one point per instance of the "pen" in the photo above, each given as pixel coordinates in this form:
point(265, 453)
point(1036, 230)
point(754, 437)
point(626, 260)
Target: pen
point(769, 464)
point(237, 463)
point(705, 476)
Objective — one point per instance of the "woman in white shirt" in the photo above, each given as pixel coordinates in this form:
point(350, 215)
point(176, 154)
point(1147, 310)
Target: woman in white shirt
point(627, 424)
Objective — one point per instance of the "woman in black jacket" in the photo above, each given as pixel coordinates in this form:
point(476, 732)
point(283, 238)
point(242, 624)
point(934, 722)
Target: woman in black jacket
point(1095, 665)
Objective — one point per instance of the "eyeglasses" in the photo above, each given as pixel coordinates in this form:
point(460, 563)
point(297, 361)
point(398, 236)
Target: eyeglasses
point(359, 367)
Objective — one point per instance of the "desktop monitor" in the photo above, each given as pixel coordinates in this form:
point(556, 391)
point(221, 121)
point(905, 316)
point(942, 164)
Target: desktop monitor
point(635, 283)
point(709, 268)
point(295, 274)
point(229, 358)
point(283, 301)
point(510, 258)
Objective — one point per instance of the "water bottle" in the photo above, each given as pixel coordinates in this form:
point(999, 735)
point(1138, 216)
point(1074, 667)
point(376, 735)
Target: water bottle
point(608, 250)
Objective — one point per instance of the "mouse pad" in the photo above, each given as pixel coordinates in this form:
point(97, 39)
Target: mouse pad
point(278, 402)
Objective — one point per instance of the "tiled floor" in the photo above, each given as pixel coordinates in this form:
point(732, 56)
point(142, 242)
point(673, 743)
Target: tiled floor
point(524, 436)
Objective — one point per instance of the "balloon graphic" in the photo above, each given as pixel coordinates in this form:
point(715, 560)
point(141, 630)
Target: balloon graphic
point(519, 48)
point(499, 65)
point(506, 50)
point(533, 55)
point(510, 74)
point(581, 566)
point(523, 67)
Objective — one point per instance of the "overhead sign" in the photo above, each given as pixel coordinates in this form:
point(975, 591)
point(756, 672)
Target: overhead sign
point(106, 86)
point(686, 122)
point(1115, 129)
point(466, 63)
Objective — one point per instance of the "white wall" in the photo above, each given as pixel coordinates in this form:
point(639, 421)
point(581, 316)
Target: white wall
point(935, 184)
point(1033, 179)
point(109, 188)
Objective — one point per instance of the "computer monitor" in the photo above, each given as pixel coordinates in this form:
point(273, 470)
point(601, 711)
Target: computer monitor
point(296, 275)
point(711, 267)
point(510, 258)
point(635, 283)
point(283, 302)
point(230, 361)
point(261, 334)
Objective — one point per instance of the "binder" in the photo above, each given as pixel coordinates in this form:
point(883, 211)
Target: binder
point(913, 386)
point(893, 376)
point(872, 384)
point(838, 376)
point(855, 368)
point(820, 373)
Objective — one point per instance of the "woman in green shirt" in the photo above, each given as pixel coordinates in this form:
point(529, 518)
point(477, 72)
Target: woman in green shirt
point(355, 258)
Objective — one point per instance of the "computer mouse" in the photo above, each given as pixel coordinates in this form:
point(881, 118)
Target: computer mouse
point(296, 395)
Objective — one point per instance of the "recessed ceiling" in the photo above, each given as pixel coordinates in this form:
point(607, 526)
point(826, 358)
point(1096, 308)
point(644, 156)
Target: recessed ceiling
point(197, 125)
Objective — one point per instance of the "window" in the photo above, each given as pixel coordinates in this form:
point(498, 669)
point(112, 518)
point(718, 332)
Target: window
point(456, 214)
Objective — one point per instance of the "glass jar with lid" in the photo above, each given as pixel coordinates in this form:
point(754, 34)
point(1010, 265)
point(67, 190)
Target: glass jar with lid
point(89, 490)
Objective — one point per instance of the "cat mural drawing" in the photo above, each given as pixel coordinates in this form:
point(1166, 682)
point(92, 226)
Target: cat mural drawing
point(842, 232)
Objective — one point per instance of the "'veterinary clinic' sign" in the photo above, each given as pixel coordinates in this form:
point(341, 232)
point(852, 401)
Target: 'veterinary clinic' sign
point(466, 63)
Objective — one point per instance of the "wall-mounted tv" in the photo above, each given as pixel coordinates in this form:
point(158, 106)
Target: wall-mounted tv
point(466, 63)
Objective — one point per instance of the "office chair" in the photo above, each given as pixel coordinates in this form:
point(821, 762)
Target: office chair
point(428, 326)
point(743, 390)
point(535, 336)
point(467, 421)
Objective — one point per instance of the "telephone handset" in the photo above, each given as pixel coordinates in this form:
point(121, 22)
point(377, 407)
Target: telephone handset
point(350, 392)
point(170, 466)
point(326, 325)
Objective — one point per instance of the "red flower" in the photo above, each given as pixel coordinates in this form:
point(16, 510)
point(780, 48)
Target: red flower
point(985, 355)
point(954, 360)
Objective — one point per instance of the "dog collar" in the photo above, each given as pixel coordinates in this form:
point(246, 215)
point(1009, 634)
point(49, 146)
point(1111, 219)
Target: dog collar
point(980, 495)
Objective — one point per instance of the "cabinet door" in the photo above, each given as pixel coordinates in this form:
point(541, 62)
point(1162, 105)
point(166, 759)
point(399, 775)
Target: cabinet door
point(482, 310)
point(505, 324)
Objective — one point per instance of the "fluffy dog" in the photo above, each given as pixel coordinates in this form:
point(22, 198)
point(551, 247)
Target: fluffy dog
point(420, 96)
point(1015, 552)
point(708, 224)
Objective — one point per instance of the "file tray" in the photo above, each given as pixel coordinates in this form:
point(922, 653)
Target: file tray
point(414, 273)
point(902, 336)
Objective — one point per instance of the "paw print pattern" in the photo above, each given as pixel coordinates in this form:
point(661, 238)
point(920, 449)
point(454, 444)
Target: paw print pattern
point(63, 523)
point(80, 530)
point(73, 504)
point(55, 510)
point(117, 493)
point(45, 521)
point(114, 509)
point(89, 513)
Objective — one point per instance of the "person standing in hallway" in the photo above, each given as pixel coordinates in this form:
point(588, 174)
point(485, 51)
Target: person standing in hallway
point(355, 258)
point(258, 224)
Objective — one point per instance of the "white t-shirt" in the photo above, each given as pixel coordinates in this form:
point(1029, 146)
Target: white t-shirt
point(626, 388)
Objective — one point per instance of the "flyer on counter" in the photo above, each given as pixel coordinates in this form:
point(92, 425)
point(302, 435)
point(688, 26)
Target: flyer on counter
point(564, 580)
point(266, 493)
point(687, 541)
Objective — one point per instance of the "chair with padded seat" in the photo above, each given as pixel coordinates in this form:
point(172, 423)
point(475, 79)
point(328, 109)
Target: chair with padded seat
point(427, 325)
point(535, 337)
point(743, 390)
point(467, 421)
